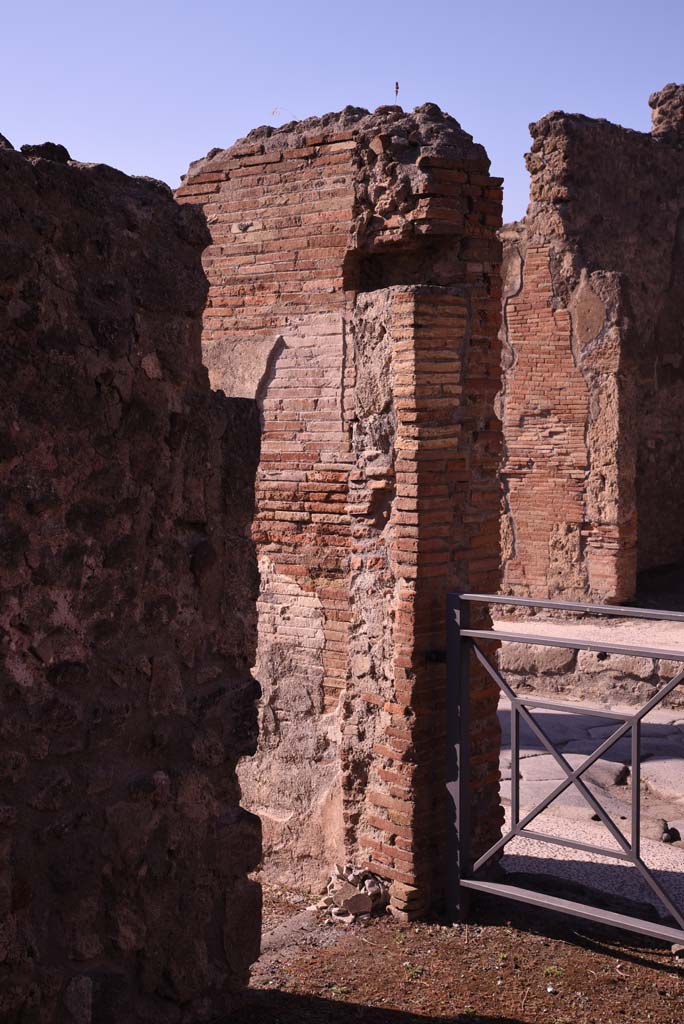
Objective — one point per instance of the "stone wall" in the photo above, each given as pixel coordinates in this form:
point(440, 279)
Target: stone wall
point(127, 611)
point(594, 358)
point(597, 677)
point(355, 292)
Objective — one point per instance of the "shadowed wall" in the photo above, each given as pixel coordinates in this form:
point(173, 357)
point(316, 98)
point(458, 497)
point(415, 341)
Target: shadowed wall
point(127, 611)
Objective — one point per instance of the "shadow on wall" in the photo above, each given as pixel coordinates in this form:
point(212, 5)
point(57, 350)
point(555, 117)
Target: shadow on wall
point(662, 587)
point(265, 1007)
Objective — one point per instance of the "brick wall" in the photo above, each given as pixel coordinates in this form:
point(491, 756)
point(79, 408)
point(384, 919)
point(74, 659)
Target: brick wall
point(127, 612)
point(593, 358)
point(355, 291)
point(569, 523)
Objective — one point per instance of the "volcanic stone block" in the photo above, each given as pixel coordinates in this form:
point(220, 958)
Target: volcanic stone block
point(127, 611)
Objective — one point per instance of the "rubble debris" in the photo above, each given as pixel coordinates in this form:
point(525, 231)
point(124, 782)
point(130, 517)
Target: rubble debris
point(353, 894)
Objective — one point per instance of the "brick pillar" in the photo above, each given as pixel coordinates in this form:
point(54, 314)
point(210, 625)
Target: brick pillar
point(441, 535)
point(355, 288)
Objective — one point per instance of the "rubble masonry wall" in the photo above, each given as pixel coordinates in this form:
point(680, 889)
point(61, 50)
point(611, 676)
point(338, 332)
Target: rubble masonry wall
point(127, 611)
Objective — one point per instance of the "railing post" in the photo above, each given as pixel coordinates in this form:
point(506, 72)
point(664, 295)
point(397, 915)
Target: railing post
point(458, 755)
point(515, 765)
point(636, 788)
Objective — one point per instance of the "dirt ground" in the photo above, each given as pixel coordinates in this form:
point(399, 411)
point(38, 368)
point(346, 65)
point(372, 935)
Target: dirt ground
point(508, 966)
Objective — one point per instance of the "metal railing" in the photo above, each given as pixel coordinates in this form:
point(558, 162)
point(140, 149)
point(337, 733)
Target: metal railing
point(464, 871)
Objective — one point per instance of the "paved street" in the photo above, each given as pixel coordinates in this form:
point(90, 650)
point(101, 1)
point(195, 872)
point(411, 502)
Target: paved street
point(570, 816)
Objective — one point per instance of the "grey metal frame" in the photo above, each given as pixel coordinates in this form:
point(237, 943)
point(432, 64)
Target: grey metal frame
point(463, 870)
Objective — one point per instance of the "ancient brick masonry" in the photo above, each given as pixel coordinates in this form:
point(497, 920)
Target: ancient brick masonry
point(355, 291)
point(594, 357)
point(127, 612)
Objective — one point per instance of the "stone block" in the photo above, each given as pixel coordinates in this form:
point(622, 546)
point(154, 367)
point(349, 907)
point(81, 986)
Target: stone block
point(525, 659)
point(594, 662)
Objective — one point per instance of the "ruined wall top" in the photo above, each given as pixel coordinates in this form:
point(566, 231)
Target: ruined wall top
point(56, 153)
point(574, 159)
point(560, 141)
point(426, 131)
point(389, 163)
point(592, 279)
point(668, 113)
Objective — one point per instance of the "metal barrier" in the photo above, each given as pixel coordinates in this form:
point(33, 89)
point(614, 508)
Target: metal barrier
point(464, 872)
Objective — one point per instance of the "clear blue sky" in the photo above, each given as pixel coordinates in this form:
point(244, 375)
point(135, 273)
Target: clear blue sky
point(148, 86)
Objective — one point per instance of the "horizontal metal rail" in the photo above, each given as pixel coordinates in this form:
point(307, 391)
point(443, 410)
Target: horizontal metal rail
point(573, 643)
point(584, 910)
point(586, 710)
point(461, 643)
point(573, 844)
point(621, 611)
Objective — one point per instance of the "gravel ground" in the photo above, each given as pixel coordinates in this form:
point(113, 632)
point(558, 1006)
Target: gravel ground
point(509, 966)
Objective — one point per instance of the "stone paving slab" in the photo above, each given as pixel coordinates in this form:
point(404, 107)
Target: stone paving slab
point(570, 804)
point(621, 750)
point(559, 727)
point(619, 753)
point(662, 734)
point(570, 817)
point(525, 754)
point(665, 777)
point(642, 633)
point(666, 732)
point(545, 768)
